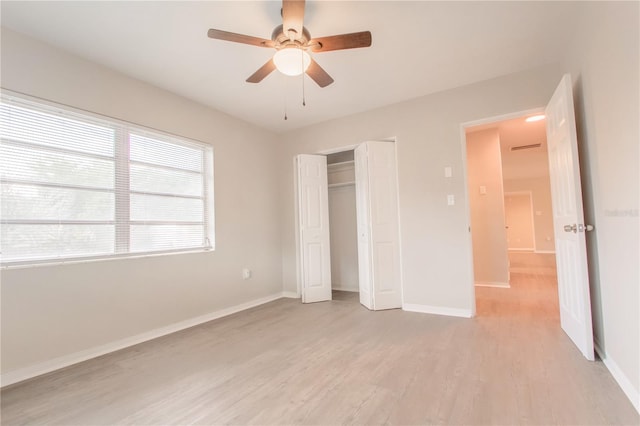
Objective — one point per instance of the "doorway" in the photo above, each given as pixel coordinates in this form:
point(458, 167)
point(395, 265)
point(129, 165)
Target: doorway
point(573, 295)
point(518, 214)
point(511, 217)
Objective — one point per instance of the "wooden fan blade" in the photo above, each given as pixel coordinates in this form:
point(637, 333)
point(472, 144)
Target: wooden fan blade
point(342, 41)
point(318, 74)
point(292, 18)
point(264, 71)
point(239, 38)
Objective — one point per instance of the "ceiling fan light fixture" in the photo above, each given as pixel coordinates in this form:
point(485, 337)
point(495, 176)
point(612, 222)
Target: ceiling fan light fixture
point(292, 61)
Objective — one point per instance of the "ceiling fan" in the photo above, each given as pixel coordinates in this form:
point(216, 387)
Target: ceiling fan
point(292, 42)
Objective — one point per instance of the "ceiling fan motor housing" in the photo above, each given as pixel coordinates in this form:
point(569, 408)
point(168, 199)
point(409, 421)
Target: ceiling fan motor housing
point(282, 40)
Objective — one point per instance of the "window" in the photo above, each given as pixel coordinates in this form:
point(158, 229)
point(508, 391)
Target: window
point(75, 185)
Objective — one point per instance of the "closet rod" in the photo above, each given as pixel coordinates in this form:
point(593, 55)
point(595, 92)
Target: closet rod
point(338, 185)
point(342, 163)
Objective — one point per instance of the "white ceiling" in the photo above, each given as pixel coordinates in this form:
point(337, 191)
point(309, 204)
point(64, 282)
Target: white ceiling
point(418, 48)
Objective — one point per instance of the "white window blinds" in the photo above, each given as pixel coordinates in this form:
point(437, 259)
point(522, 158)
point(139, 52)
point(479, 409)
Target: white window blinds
point(80, 186)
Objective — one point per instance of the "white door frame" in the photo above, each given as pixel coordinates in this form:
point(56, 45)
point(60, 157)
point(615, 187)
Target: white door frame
point(463, 141)
point(533, 219)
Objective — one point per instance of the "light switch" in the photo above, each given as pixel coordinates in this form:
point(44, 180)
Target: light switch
point(447, 172)
point(483, 190)
point(451, 200)
point(246, 273)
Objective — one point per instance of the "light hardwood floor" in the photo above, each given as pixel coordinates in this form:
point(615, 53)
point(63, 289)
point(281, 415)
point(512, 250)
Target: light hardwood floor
point(336, 363)
point(529, 261)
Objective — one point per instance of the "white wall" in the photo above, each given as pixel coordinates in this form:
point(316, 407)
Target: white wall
point(435, 244)
point(343, 222)
point(526, 163)
point(488, 234)
point(344, 238)
point(604, 66)
point(542, 213)
point(55, 311)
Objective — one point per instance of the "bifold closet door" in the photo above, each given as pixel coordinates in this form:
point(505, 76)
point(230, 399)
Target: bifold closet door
point(378, 227)
point(314, 261)
point(365, 282)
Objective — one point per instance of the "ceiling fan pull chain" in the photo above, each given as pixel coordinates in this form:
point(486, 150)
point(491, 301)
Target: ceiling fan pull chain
point(304, 103)
point(285, 98)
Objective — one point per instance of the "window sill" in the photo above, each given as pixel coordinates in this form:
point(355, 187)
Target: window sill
point(60, 262)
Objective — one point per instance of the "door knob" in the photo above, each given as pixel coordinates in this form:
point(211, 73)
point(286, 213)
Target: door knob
point(584, 228)
point(578, 228)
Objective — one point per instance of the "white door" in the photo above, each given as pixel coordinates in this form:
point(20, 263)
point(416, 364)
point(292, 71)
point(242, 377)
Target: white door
point(518, 215)
point(363, 226)
point(313, 228)
point(378, 224)
point(568, 221)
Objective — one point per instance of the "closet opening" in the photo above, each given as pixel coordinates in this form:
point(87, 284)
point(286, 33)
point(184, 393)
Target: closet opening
point(343, 232)
point(347, 225)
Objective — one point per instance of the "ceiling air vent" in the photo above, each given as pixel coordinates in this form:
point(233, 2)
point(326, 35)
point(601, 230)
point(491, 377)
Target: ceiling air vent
point(521, 147)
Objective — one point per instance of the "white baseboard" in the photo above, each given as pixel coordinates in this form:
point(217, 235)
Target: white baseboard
point(492, 284)
point(545, 251)
point(290, 295)
point(11, 377)
point(437, 310)
point(340, 288)
point(626, 386)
